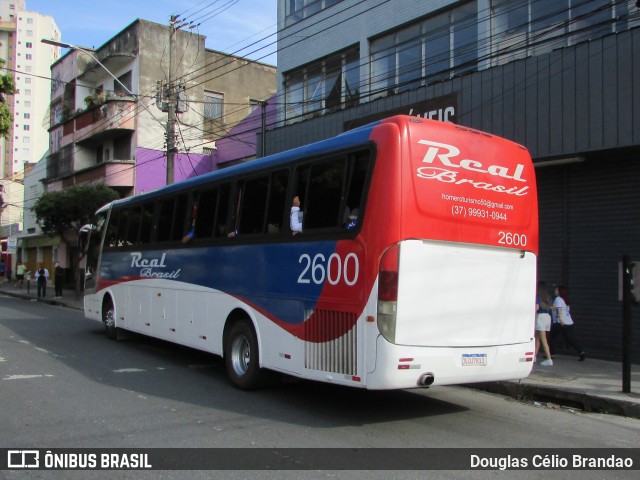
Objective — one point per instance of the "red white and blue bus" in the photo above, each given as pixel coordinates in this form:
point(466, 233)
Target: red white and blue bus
point(415, 266)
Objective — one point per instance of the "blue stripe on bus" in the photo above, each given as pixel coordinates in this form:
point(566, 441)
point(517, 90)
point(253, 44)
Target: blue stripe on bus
point(286, 285)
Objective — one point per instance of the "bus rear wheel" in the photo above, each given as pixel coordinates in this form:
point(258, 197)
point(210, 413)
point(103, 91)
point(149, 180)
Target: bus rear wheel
point(109, 320)
point(241, 357)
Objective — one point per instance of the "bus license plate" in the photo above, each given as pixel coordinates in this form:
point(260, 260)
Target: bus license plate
point(474, 359)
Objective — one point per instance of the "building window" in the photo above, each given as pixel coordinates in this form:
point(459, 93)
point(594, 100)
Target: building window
point(534, 27)
point(297, 10)
point(28, 56)
point(123, 80)
point(29, 44)
point(434, 49)
point(213, 103)
point(26, 127)
point(324, 86)
point(26, 116)
point(26, 140)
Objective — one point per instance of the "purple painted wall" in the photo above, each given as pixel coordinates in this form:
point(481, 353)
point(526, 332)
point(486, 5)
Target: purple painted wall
point(238, 143)
point(151, 168)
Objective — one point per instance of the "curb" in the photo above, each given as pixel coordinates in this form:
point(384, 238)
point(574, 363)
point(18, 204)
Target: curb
point(572, 398)
point(50, 301)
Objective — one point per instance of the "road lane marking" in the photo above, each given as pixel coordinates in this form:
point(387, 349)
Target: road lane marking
point(25, 377)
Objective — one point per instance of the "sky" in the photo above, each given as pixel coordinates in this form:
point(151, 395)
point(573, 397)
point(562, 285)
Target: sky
point(231, 26)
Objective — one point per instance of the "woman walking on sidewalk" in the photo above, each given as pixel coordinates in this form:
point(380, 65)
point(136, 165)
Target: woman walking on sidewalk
point(543, 322)
point(565, 326)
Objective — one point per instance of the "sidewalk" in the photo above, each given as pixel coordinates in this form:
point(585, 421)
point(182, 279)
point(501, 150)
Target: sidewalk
point(592, 385)
point(30, 292)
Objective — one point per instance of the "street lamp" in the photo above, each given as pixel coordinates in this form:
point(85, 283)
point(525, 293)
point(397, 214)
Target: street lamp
point(80, 49)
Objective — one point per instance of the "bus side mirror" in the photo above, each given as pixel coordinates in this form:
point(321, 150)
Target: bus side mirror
point(83, 237)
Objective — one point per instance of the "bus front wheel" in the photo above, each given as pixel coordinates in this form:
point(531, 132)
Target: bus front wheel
point(241, 357)
point(109, 320)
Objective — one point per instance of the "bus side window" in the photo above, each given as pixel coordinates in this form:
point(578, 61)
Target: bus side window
point(253, 206)
point(123, 225)
point(181, 217)
point(135, 215)
point(324, 196)
point(277, 201)
point(112, 230)
point(356, 181)
point(207, 204)
point(222, 212)
point(165, 219)
point(147, 223)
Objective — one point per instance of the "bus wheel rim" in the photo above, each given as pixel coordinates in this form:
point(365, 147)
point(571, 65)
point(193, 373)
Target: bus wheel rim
point(241, 355)
point(109, 321)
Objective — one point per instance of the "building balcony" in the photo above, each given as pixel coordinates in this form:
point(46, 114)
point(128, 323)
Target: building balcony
point(111, 118)
point(114, 173)
point(118, 174)
point(76, 165)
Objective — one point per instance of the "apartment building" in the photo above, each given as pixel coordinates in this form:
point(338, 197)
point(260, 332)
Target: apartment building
point(109, 115)
point(28, 61)
point(558, 76)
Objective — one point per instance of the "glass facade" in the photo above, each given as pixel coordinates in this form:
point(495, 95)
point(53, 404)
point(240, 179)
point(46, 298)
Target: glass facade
point(464, 38)
point(326, 85)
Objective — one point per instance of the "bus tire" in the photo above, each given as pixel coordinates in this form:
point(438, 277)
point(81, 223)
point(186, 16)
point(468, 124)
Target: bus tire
point(241, 357)
point(109, 320)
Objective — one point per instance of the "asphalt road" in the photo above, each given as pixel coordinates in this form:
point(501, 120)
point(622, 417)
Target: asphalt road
point(63, 384)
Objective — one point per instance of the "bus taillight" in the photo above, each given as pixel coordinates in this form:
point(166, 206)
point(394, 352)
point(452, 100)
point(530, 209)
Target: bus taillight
point(388, 292)
point(388, 275)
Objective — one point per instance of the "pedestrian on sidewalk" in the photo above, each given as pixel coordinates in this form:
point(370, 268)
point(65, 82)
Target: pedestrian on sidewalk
point(543, 322)
point(42, 274)
point(58, 279)
point(564, 322)
point(21, 269)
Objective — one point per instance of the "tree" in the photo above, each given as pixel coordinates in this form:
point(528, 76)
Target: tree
point(64, 213)
point(7, 87)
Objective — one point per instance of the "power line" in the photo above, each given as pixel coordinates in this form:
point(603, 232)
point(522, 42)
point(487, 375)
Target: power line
point(488, 56)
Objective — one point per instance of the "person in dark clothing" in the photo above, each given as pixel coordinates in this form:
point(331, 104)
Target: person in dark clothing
point(59, 279)
point(42, 274)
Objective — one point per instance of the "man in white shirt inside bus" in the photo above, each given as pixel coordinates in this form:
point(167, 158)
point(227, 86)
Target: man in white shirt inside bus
point(296, 216)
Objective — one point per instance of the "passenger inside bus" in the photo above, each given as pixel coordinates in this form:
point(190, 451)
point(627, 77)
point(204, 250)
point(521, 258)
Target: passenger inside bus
point(296, 216)
point(351, 218)
point(192, 224)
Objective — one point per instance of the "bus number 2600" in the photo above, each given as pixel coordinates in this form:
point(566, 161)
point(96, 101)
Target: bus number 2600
point(334, 269)
point(516, 239)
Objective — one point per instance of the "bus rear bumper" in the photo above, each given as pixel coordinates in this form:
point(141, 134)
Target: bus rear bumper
point(401, 367)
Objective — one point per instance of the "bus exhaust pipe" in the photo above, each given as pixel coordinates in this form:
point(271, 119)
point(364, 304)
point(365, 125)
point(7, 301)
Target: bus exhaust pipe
point(426, 379)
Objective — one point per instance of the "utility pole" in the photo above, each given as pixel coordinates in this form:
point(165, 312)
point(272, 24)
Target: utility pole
point(263, 129)
point(172, 101)
point(171, 98)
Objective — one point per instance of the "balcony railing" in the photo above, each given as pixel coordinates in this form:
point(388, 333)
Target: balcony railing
point(113, 115)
